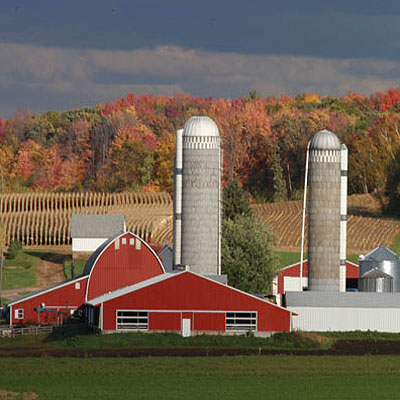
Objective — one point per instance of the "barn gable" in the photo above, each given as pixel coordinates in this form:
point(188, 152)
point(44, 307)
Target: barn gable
point(123, 260)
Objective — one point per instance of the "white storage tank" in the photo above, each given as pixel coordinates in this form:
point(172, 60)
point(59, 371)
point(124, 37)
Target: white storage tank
point(375, 280)
point(385, 260)
point(199, 219)
point(324, 212)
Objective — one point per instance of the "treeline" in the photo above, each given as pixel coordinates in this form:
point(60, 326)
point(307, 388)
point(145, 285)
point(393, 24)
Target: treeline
point(129, 144)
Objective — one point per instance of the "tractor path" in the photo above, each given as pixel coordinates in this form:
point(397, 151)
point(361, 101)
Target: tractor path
point(48, 273)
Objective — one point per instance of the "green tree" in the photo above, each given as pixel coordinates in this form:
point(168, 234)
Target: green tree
point(280, 190)
point(247, 256)
point(235, 201)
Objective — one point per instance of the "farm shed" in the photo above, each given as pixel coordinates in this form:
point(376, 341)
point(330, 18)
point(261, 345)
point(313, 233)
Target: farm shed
point(288, 278)
point(122, 260)
point(89, 231)
point(56, 303)
point(345, 311)
point(185, 302)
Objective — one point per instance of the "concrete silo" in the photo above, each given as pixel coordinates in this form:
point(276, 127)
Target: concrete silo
point(197, 227)
point(324, 212)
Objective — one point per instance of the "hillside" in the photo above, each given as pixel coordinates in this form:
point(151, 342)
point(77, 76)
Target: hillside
point(44, 219)
point(367, 228)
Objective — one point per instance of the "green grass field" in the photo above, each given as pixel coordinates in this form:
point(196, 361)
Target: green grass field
point(255, 377)
point(21, 271)
point(79, 266)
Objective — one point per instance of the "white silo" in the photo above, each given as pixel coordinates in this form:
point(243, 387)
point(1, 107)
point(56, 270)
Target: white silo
point(324, 212)
point(343, 216)
point(200, 224)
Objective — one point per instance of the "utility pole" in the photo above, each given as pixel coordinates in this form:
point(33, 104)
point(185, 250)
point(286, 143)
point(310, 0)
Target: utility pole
point(1, 276)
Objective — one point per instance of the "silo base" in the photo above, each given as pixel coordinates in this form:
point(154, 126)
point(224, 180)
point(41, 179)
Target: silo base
point(323, 285)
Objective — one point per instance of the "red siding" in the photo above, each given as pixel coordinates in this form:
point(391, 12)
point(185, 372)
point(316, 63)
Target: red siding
point(294, 271)
point(165, 321)
point(115, 269)
point(209, 321)
point(56, 298)
point(189, 292)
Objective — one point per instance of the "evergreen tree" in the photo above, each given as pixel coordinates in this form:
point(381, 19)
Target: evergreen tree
point(247, 256)
point(280, 189)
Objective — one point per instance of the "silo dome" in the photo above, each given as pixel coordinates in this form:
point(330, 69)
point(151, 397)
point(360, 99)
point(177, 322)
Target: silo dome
point(201, 126)
point(325, 140)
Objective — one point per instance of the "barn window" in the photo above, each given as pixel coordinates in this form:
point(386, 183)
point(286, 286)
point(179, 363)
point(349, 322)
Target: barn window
point(123, 240)
point(138, 245)
point(116, 244)
point(132, 319)
point(131, 241)
point(241, 321)
point(19, 313)
point(77, 285)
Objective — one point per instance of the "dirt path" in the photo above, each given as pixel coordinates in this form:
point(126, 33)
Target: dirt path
point(49, 272)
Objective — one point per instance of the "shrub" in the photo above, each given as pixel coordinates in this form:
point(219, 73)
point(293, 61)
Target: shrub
point(14, 248)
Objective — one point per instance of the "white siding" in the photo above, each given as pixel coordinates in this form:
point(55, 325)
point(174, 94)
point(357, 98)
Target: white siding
point(323, 319)
point(292, 283)
point(87, 244)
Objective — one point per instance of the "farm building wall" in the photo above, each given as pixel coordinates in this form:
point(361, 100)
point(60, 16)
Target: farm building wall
point(188, 295)
point(86, 245)
point(65, 297)
point(125, 261)
point(322, 319)
point(288, 278)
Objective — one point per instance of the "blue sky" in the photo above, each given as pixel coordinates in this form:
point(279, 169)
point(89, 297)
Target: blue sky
point(59, 55)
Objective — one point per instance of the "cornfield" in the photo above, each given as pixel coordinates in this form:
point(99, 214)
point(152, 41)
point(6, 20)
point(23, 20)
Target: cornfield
point(38, 219)
point(366, 227)
point(44, 219)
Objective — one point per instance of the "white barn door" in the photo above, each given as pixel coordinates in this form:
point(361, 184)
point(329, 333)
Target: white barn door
point(186, 327)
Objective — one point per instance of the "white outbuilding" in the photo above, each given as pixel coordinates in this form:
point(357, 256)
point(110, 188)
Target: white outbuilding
point(89, 231)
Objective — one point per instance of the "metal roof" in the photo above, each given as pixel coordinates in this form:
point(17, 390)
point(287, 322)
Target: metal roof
point(140, 285)
point(325, 140)
point(45, 290)
point(343, 299)
point(97, 225)
point(200, 126)
point(381, 253)
point(376, 273)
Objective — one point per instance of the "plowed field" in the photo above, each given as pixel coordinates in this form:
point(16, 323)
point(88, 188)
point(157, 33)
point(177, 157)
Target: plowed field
point(367, 228)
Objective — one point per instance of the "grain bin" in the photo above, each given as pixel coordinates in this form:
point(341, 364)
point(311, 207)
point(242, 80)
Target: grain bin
point(201, 197)
point(324, 212)
point(385, 260)
point(375, 280)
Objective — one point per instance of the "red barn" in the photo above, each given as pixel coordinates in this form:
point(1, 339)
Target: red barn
point(288, 278)
point(125, 287)
point(48, 306)
point(123, 260)
point(185, 302)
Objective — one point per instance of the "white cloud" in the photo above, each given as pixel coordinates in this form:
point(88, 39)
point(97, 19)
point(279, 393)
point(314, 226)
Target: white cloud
point(67, 72)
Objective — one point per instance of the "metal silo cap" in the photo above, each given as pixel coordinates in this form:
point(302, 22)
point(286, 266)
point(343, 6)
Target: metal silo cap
point(200, 126)
point(325, 140)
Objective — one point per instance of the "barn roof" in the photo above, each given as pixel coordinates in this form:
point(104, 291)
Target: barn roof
point(343, 299)
point(381, 253)
point(97, 253)
point(45, 290)
point(96, 225)
point(159, 278)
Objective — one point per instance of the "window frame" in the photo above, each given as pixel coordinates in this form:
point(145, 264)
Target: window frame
point(18, 312)
point(239, 318)
point(141, 320)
